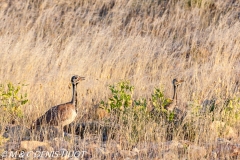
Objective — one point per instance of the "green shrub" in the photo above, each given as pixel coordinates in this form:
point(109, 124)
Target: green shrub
point(121, 98)
point(231, 111)
point(159, 102)
point(129, 113)
point(140, 104)
point(11, 101)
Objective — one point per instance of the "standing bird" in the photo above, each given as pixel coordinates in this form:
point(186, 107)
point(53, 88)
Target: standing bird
point(173, 104)
point(62, 114)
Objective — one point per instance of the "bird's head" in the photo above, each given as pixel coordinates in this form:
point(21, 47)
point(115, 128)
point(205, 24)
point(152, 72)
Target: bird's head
point(75, 79)
point(177, 82)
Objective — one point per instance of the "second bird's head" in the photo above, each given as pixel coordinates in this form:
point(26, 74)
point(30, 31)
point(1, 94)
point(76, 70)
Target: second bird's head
point(75, 79)
point(177, 82)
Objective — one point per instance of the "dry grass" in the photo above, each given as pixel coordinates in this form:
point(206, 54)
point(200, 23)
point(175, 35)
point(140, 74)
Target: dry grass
point(43, 43)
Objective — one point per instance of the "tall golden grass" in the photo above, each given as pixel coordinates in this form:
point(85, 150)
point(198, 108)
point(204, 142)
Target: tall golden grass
point(43, 43)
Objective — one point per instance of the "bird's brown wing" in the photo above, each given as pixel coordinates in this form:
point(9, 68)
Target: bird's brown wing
point(48, 118)
point(64, 111)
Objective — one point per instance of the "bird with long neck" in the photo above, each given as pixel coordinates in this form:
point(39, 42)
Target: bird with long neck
point(62, 114)
point(173, 104)
point(74, 95)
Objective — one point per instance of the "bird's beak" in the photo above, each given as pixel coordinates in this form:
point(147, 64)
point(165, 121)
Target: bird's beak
point(81, 78)
point(179, 82)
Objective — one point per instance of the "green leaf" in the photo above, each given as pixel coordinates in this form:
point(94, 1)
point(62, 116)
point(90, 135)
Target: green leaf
point(24, 102)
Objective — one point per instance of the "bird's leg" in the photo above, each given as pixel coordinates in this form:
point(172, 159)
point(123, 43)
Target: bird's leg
point(61, 133)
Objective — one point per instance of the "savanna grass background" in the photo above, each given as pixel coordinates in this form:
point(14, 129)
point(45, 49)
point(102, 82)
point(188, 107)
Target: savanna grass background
point(43, 43)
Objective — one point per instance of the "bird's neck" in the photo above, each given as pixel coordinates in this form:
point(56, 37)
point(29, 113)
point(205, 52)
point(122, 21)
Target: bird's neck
point(175, 93)
point(74, 96)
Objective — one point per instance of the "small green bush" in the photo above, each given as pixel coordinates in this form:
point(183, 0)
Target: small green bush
point(231, 111)
point(128, 112)
point(11, 101)
point(121, 98)
point(159, 102)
